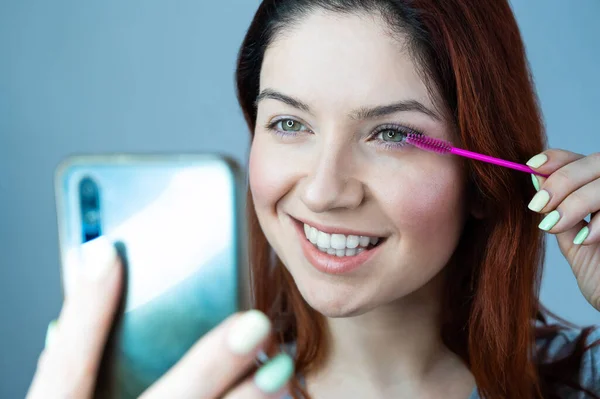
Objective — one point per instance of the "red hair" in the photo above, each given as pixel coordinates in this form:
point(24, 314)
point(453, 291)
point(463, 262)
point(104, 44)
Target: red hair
point(472, 54)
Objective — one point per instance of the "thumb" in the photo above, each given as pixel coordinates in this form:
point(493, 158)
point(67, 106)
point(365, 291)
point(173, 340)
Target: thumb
point(69, 364)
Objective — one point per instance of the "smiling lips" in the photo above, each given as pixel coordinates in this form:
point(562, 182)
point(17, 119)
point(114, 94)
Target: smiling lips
point(336, 253)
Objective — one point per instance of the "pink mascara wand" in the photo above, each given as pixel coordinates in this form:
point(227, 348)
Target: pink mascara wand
point(443, 147)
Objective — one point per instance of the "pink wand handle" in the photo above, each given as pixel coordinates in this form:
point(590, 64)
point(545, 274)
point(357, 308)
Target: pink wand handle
point(495, 161)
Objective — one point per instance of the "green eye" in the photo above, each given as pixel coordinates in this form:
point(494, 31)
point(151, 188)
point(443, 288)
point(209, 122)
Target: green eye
point(290, 125)
point(392, 136)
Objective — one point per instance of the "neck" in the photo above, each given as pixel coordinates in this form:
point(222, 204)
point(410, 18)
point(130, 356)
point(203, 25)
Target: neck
point(397, 348)
point(401, 338)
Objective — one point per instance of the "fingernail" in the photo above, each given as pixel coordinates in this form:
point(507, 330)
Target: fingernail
point(248, 331)
point(536, 183)
point(581, 236)
point(539, 201)
point(50, 333)
point(273, 376)
point(537, 161)
point(550, 221)
point(98, 257)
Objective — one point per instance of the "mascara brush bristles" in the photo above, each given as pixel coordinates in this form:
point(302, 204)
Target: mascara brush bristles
point(428, 143)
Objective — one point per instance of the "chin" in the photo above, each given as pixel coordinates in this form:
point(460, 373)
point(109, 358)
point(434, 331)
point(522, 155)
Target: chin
point(334, 310)
point(335, 297)
point(335, 300)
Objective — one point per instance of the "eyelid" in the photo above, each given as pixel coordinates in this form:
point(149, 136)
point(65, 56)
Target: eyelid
point(404, 127)
point(279, 118)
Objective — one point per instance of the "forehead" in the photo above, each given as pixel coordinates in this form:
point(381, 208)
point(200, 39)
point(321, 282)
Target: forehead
point(343, 60)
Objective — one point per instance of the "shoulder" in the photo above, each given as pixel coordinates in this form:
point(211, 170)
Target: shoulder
point(564, 342)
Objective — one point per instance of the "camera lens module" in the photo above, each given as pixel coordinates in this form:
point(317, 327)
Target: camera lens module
point(89, 199)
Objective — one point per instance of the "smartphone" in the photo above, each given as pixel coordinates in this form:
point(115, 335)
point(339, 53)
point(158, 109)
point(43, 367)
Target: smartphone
point(177, 224)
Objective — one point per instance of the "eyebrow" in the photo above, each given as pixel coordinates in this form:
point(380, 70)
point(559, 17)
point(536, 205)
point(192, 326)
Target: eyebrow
point(359, 114)
point(275, 95)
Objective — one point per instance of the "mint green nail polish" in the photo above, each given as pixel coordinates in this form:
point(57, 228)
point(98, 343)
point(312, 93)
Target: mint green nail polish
point(271, 377)
point(539, 201)
point(249, 330)
point(550, 221)
point(581, 236)
point(537, 161)
point(50, 333)
point(536, 183)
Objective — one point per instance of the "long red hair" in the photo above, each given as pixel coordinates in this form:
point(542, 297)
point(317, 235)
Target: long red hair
point(472, 54)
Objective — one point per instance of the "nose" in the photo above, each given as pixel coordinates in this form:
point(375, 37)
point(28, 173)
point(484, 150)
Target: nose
point(331, 182)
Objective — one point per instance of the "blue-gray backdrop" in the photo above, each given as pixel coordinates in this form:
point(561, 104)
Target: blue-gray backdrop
point(154, 75)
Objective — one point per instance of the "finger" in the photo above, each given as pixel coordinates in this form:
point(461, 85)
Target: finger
point(548, 162)
point(571, 211)
point(68, 365)
point(590, 233)
point(552, 160)
point(270, 381)
point(583, 252)
point(564, 181)
point(218, 360)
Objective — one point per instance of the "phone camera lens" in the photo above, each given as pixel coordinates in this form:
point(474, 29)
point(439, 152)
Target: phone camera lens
point(88, 188)
point(90, 217)
point(88, 193)
point(89, 198)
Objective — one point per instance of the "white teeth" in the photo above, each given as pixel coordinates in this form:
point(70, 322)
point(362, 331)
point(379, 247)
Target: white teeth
point(338, 241)
point(352, 241)
point(364, 241)
point(314, 234)
point(324, 240)
point(341, 252)
point(338, 244)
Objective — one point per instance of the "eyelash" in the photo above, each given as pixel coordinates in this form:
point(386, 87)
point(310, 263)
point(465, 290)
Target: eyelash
point(400, 129)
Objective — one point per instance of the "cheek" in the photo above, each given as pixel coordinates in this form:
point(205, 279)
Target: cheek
point(428, 204)
point(270, 175)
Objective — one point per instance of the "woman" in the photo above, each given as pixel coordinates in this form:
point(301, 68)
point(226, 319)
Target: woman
point(387, 271)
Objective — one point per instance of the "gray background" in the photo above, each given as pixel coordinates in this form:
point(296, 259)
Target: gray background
point(158, 76)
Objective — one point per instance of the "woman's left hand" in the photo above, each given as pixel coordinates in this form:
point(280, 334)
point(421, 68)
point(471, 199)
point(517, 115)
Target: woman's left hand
point(570, 193)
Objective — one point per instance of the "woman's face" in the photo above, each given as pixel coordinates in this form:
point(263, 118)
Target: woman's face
point(328, 162)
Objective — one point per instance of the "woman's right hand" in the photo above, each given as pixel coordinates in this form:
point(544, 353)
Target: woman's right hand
point(68, 365)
